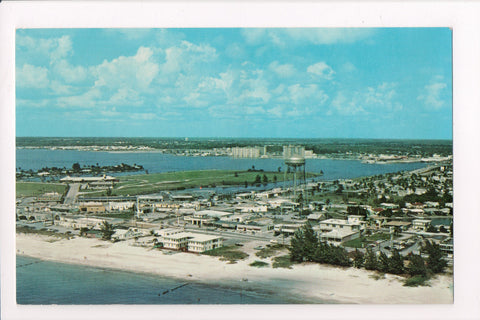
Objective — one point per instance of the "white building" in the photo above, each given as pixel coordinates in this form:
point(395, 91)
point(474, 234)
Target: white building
point(338, 236)
point(193, 242)
point(340, 224)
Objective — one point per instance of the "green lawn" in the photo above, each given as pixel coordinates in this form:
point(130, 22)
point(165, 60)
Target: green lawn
point(229, 253)
point(357, 243)
point(141, 184)
point(33, 189)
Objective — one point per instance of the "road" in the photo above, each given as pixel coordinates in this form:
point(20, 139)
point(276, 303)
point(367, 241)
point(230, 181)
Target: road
point(72, 193)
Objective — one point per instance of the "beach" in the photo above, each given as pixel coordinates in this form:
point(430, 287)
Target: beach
point(314, 282)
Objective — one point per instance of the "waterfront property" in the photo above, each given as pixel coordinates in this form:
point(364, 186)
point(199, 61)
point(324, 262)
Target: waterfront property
point(193, 242)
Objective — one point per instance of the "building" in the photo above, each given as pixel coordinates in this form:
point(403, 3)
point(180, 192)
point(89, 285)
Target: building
point(187, 241)
point(338, 236)
point(92, 207)
point(421, 224)
point(249, 152)
point(340, 224)
point(287, 229)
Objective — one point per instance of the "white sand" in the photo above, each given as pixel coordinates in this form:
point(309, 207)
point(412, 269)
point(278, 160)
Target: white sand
point(313, 281)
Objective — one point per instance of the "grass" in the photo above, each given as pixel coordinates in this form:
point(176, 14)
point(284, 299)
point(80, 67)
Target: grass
point(147, 183)
point(269, 251)
point(378, 276)
point(282, 262)
point(228, 253)
point(357, 243)
point(34, 189)
point(259, 264)
point(416, 281)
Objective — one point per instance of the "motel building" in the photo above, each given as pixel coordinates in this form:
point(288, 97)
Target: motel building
point(192, 242)
point(338, 236)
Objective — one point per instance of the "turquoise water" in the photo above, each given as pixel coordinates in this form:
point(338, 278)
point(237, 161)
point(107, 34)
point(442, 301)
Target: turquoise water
point(154, 162)
point(45, 282)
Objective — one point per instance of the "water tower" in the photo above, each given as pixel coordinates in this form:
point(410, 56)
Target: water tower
point(294, 157)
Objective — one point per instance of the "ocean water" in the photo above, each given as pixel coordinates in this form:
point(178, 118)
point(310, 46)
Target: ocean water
point(44, 282)
point(155, 162)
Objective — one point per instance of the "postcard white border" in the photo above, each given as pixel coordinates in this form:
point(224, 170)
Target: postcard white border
point(461, 17)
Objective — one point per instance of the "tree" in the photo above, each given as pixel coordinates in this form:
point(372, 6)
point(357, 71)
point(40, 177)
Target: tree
point(396, 263)
point(258, 179)
point(383, 262)
point(265, 179)
point(107, 230)
point(275, 179)
point(435, 261)
point(304, 244)
point(370, 260)
point(443, 229)
point(431, 229)
point(358, 259)
point(76, 166)
point(416, 265)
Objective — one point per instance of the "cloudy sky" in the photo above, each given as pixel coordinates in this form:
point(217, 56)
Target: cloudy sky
point(311, 83)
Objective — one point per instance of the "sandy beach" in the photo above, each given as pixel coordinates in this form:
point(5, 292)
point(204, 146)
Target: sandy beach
point(314, 282)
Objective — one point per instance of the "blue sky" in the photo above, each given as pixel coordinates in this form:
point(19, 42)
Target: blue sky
point(296, 83)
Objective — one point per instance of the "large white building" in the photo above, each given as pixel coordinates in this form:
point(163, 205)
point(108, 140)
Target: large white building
point(193, 242)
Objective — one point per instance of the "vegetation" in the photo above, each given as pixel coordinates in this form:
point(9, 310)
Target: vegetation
point(259, 264)
point(35, 189)
point(416, 281)
point(228, 253)
point(142, 184)
point(107, 230)
point(269, 251)
point(319, 146)
point(283, 262)
point(306, 246)
point(435, 261)
point(44, 231)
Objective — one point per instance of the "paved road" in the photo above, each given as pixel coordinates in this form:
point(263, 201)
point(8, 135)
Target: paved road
point(72, 193)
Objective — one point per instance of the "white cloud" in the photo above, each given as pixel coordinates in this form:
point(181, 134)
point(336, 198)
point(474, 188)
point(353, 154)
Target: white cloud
point(309, 95)
point(379, 99)
point(433, 95)
point(318, 36)
point(88, 99)
point(69, 73)
point(322, 70)
point(32, 77)
point(136, 72)
point(282, 70)
point(185, 55)
point(52, 48)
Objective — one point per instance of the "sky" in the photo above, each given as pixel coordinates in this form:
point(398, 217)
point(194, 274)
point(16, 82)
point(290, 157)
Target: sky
point(386, 83)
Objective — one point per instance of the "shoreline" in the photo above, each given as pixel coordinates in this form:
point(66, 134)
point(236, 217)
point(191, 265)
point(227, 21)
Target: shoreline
point(309, 282)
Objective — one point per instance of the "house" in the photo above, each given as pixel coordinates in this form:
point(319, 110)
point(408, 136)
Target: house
point(338, 224)
point(121, 234)
point(338, 236)
point(398, 225)
point(421, 224)
point(287, 229)
point(92, 207)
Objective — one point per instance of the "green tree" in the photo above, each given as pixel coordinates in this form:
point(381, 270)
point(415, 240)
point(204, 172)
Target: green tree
point(265, 179)
point(435, 261)
point(383, 263)
point(396, 263)
point(416, 265)
point(76, 167)
point(107, 230)
point(258, 179)
point(370, 260)
point(358, 259)
point(304, 244)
